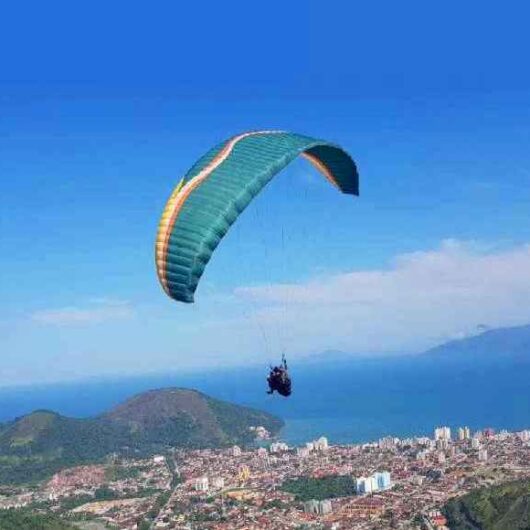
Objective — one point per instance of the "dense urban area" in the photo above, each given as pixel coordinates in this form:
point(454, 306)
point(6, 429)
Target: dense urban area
point(392, 483)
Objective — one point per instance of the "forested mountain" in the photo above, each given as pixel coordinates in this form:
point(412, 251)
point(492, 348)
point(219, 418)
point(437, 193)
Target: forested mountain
point(35, 445)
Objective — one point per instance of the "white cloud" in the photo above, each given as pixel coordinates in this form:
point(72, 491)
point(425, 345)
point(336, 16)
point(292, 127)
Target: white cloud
point(419, 300)
point(423, 298)
point(99, 310)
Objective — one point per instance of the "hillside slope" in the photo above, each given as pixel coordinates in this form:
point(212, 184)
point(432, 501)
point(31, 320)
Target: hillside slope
point(23, 519)
point(504, 507)
point(35, 445)
point(187, 418)
point(493, 345)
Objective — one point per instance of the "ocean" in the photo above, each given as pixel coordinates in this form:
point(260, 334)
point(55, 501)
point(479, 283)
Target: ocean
point(349, 402)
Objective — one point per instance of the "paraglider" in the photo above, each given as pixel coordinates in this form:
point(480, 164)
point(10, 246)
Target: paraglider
point(219, 186)
point(279, 379)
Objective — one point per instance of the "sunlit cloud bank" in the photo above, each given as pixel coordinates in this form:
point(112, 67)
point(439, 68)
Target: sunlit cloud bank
point(421, 299)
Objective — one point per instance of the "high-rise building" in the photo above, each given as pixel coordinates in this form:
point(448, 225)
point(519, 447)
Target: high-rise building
point(442, 433)
point(201, 484)
point(524, 436)
point(236, 450)
point(324, 507)
point(278, 447)
point(377, 481)
point(483, 455)
point(362, 486)
point(311, 506)
point(389, 442)
point(302, 452)
point(321, 444)
point(475, 443)
point(318, 507)
point(464, 433)
point(442, 444)
point(383, 480)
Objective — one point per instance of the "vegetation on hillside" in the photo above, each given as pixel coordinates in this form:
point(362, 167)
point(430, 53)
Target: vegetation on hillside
point(35, 446)
point(26, 520)
point(330, 487)
point(504, 507)
point(236, 420)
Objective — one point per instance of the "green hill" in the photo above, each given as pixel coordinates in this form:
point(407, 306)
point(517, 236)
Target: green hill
point(34, 446)
point(504, 507)
point(26, 520)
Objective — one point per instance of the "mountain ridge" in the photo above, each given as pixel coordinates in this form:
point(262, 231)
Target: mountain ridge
point(144, 424)
point(510, 343)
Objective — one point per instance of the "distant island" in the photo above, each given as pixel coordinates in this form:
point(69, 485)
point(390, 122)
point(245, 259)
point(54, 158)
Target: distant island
point(35, 446)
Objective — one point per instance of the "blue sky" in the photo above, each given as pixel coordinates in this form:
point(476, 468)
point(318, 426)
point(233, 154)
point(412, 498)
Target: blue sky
point(103, 108)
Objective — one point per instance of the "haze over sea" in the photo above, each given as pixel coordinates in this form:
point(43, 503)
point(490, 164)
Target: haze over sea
point(347, 401)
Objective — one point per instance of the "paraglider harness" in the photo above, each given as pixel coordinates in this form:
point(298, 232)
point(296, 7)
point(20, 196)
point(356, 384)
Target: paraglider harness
point(279, 379)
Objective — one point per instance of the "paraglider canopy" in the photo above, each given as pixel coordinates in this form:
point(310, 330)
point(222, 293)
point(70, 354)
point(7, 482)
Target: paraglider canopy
point(219, 186)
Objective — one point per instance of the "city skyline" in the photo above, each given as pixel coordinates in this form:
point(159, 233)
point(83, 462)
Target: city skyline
point(389, 482)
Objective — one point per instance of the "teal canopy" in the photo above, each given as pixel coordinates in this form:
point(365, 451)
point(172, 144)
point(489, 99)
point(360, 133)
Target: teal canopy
point(220, 186)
